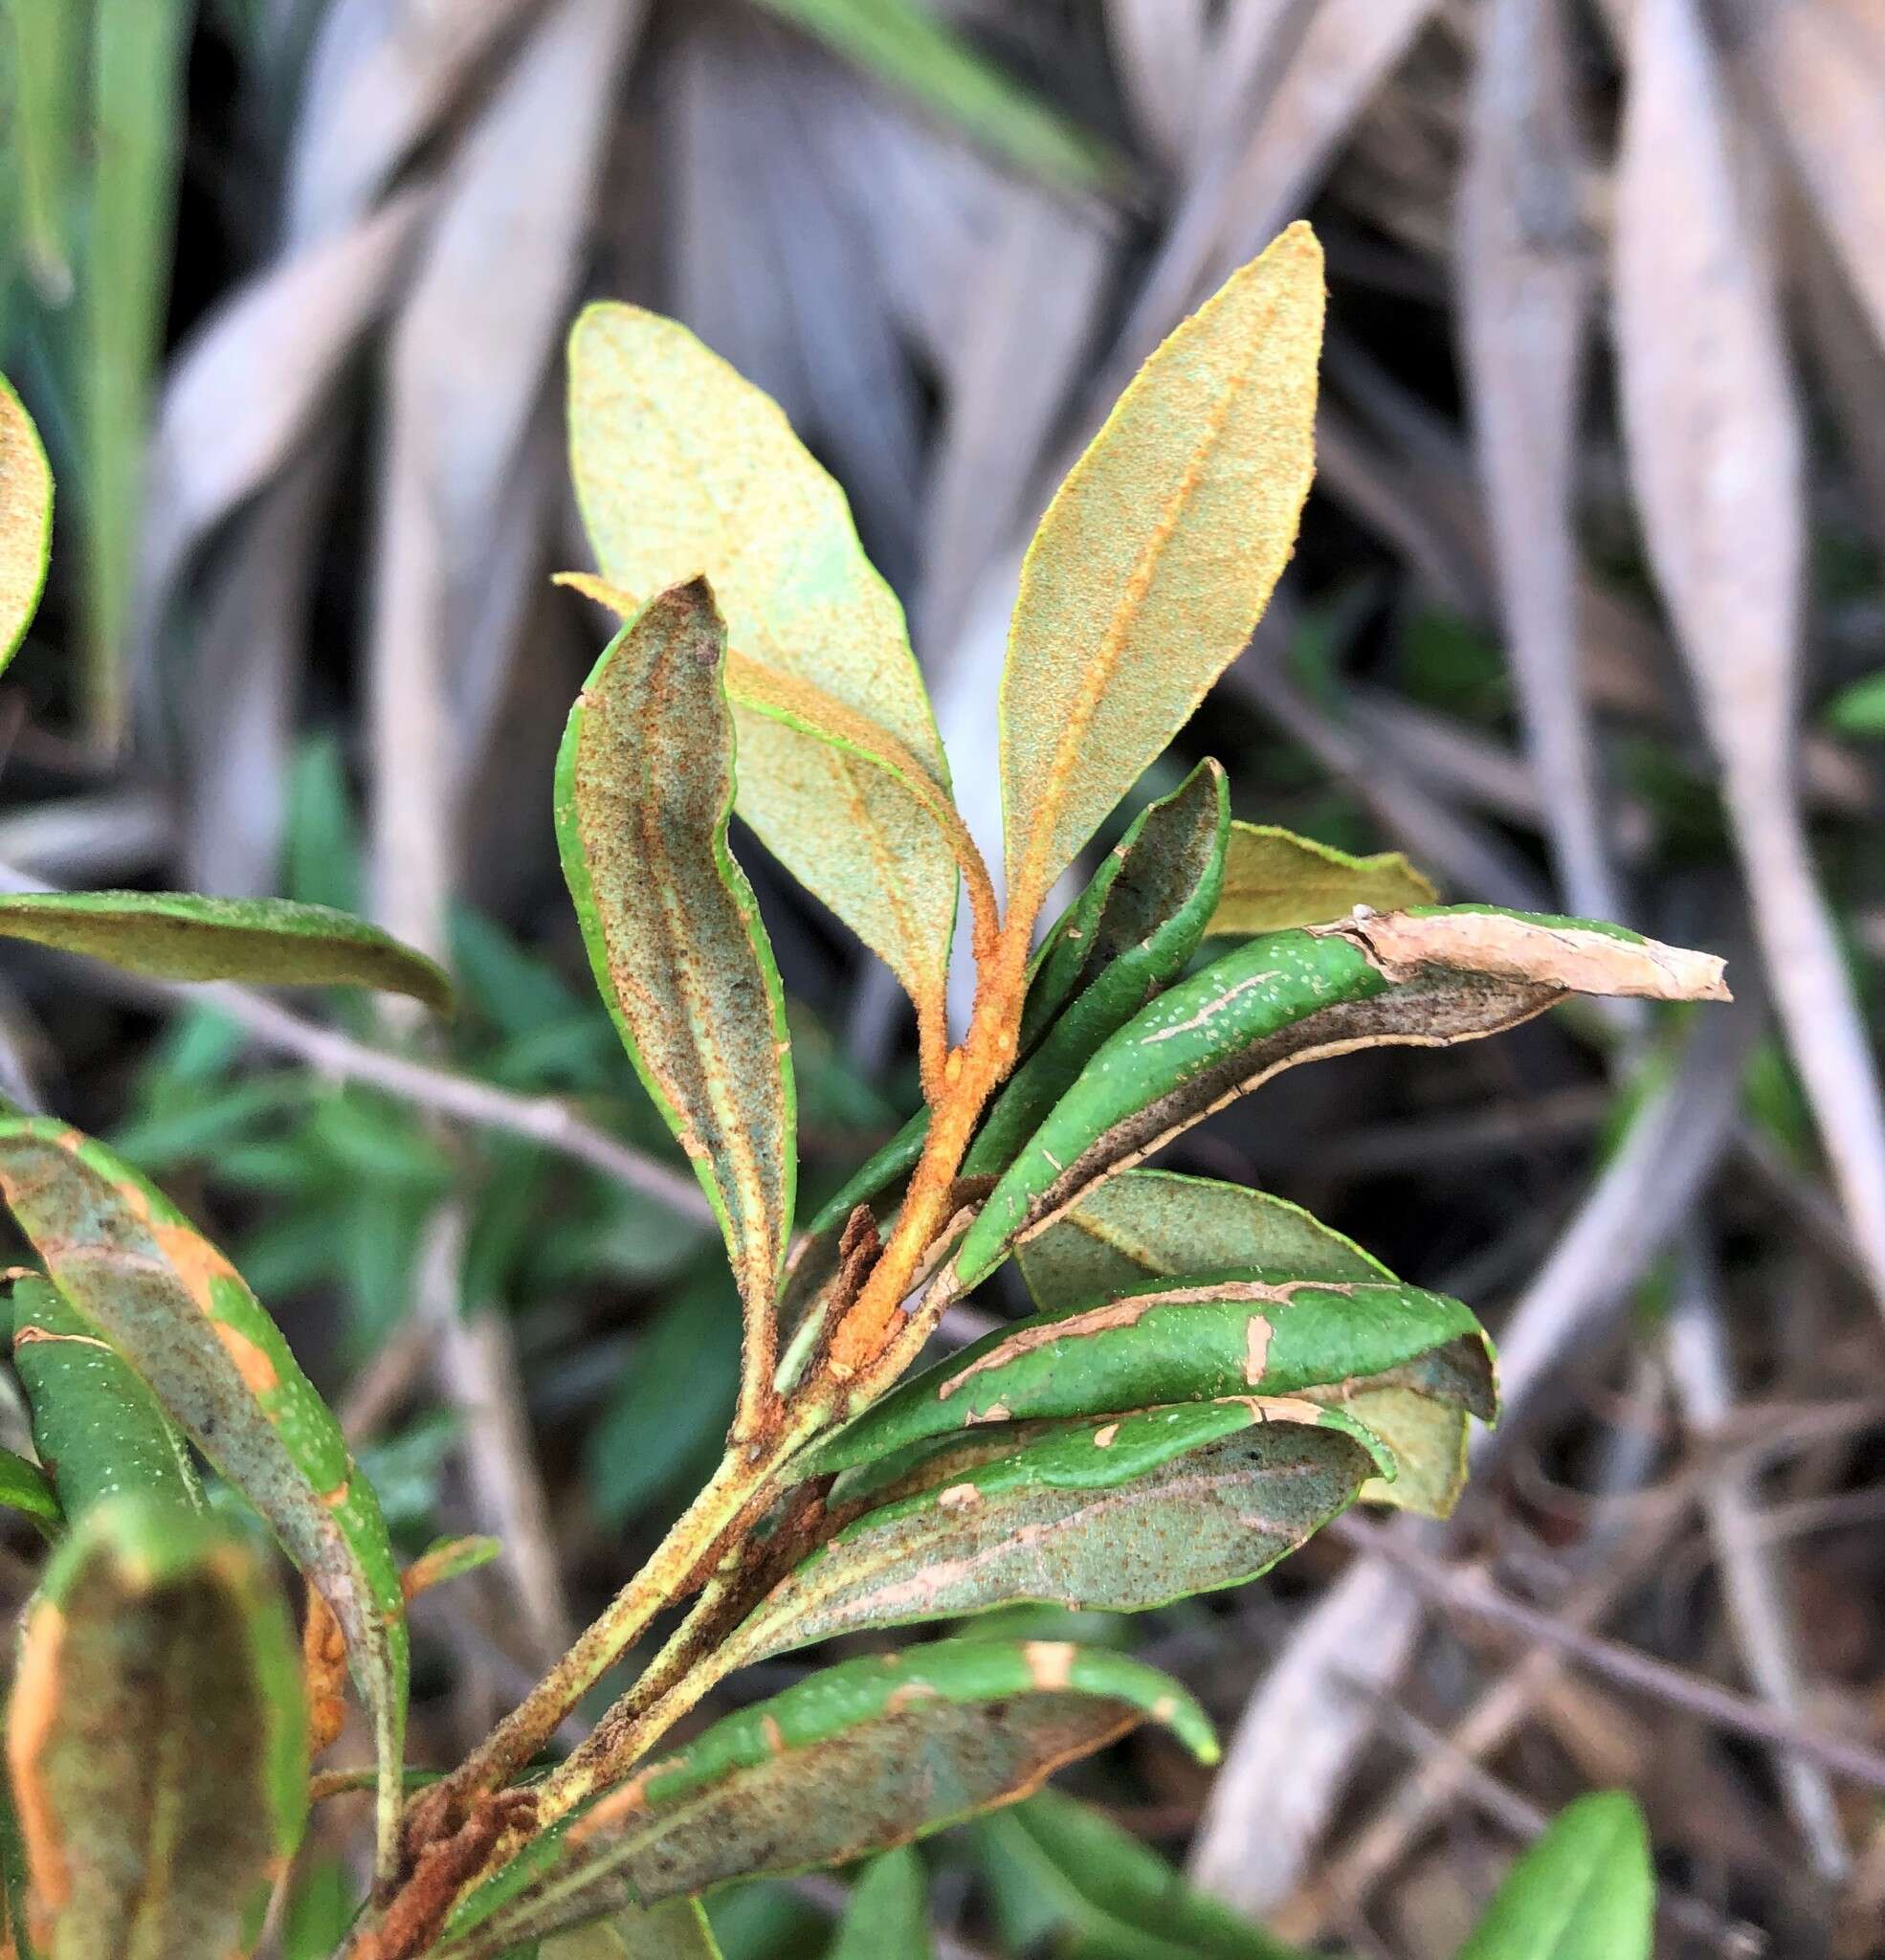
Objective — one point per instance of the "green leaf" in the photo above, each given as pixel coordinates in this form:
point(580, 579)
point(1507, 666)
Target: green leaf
point(96, 1424)
point(1584, 1891)
point(915, 52)
point(139, 56)
point(1157, 557)
point(1116, 1516)
point(1147, 1225)
point(48, 39)
point(1859, 709)
point(141, 1276)
point(318, 1911)
point(1055, 1865)
point(676, 1929)
point(1272, 878)
point(1263, 1333)
point(185, 936)
point(156, 1737)
point(13, 1886)
point(26, 519)
point(644, 791)
point(1130, 934)
point(888, 1916)
point(681, 467)
point(855, 1759)
point(1429, 978)
point(26, 1488)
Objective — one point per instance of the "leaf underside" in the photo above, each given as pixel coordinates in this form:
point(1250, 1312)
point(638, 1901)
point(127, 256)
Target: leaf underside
point(26, 520)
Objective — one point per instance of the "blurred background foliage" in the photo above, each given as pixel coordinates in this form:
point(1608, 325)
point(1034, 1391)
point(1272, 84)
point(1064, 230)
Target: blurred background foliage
point(285, 283)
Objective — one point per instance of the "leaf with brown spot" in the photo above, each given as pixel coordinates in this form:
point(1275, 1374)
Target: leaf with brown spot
point(1143, 1226)
point(682, 466)
point(1288, 997)
point(155, 1738)
point(1274, 878)
point(854, 1760)
point(1156, 559)
point(142, 1278)
point(26, 520)
point(644, 792)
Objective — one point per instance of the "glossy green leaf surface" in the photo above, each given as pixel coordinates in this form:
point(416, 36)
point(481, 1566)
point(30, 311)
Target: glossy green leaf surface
point(1274, 878)
point(644, 792)
point(156, 1738)
point(184, 936)
point(1584, 1891)
point(26, 1488)
point(26, 520)
point(1129, 935)
point(1065, 1878)
point(1186, 1338)
point(1116, 1516)
point(1156, 556)
point(682, 466)
point(1146, 1225)
point(855, 1759)
point(96, 1424)
point(144, 1279)
point(888, 1916)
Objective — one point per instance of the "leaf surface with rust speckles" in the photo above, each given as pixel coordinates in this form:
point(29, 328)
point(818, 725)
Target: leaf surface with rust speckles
point(854, 1760)
point(1157, 557)
point(644, 792)
point(144, 1279)
point(26, 520)
point(682, 466)
point(155, 1738)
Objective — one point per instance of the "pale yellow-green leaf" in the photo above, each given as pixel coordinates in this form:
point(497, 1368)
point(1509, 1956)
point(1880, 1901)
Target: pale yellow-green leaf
point(1157, 557)
point(1273, 880)
point(26, 520)
point(682, 466)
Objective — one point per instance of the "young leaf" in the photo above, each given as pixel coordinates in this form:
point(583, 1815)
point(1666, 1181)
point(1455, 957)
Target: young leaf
point(682, 465)
point(26, 520)
point(1584, 1891)
point(856, 1759)
point(1272, 878)
point(1148, 1225)
point(155, 1737)
point(644, 792)
point(185, 936)
point(26, 1488)
point(96, 1424)
point(1156, 559)
point(1055, 1865)
point(140, 1275)
point(1184, 1340)
point(1125, 939)
point(888, 1916)
point(1116, 1516)
point(1424, 978)
point(677, 1929)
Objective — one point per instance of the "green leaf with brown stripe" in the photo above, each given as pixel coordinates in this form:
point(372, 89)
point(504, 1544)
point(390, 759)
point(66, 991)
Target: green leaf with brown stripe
point(857, 1759)
point(1423, 978)
point(683, 466)
point(185, 936)
point(141, 1276)
point(1184, 1340)
point(1274, 878)
point(1145, 1226)
point(96, 1424)
point(156, 1739)
point(644, 792)
point(1156, 559)
point(26, 520)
